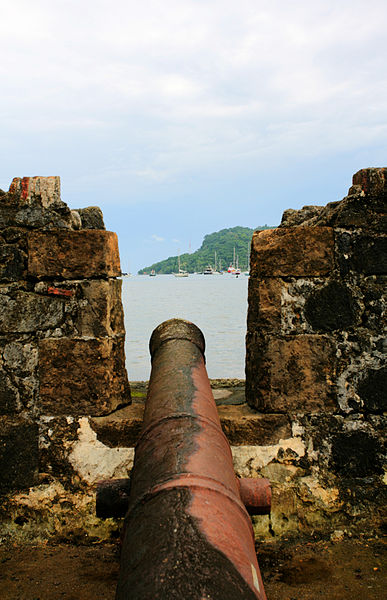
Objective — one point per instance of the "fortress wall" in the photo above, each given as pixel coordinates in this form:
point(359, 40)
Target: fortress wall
point(61, 341)
point(315, 367)
point(316, 352)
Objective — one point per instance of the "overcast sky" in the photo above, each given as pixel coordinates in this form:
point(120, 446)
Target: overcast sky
point(182, 117)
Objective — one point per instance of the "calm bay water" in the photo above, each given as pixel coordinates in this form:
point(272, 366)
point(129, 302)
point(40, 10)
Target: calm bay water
point(217, 304)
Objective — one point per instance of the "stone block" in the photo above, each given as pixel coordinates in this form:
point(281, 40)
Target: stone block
point(18, 453)
point(361, 253)
point(91, 217)
point(100, 312)
point(369, 255)
point(356, 454)
point(121, 429)
point(264, 302)
point(244, 427)
point(292, 374)
point(372, 390)
point(34, 202)
point(73, 254)
point(331, 307)
point(292, 252)
point(12, 263)
point(82, 377)
point(29, 189)
point(9, 396)
point(25, 312)
point(373, 181)
point(375, 303)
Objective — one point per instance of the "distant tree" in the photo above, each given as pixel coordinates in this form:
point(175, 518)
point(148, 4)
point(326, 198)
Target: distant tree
point(222, 242)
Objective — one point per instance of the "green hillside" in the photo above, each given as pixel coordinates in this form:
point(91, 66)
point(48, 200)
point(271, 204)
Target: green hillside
point(222, 242)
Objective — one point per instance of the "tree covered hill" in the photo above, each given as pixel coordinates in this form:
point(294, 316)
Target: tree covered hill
point(221, 242)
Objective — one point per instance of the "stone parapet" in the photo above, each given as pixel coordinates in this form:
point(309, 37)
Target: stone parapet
point(61, 327)
point(316, 353)
point(317, 303)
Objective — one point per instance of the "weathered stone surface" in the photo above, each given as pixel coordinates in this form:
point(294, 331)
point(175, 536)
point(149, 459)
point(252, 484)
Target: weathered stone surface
point(45, 190)
point(18, 453)
point(34, 202)
point(18, 380)
point(331, 307)
point(364, 207)
point(295, 374)
point(264, 301)
point(24, 312)
point(9, 397)
point(17, 236)
point(293, 297)
point(292, 218)
point(241, 425)
point(82, 377)
point(244, 427)
point(20, 357)
point(91, 217)
point(120, 429)
point(73, 254)
point(356, 454)
point(369, 255)
point(100, 311)
point(12, 263)
point(57, 436)
point(373, 181)
point(249, 461)
point(361, 253)
point(372, 390)
point(375, 303)
point(93, 461)
point(293, 251)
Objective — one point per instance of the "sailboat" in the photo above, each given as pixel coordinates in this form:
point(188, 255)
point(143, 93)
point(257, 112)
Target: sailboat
point(232, 268)
point(180, 272)
point(237, 270)
point(217, 267)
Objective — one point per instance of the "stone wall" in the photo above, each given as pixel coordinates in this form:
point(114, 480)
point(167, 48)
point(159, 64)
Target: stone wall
point(61, 343)
point(316, 352)
point(315, 367)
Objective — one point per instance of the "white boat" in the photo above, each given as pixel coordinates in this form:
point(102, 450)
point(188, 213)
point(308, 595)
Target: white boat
point(208, 270)
point(152, 273)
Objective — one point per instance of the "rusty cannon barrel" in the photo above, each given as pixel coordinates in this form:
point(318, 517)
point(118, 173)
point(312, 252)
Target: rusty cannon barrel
point(187, 533)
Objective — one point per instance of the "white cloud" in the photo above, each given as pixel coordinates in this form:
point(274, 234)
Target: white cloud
point(157, 238)
point(191, 84)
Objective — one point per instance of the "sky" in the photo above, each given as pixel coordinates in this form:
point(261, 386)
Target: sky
point(183, 117)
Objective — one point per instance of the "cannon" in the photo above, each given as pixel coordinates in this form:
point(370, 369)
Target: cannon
point(187, 532)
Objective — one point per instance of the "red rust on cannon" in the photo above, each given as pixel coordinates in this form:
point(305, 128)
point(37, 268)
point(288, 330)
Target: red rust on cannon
point(187, 532)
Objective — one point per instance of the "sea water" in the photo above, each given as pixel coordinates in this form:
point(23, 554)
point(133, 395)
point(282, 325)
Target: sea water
point(217, 304)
